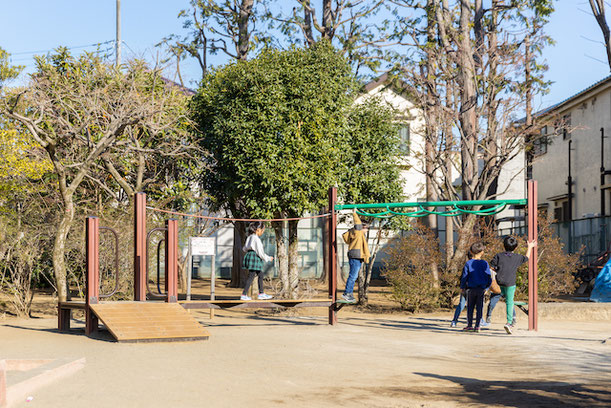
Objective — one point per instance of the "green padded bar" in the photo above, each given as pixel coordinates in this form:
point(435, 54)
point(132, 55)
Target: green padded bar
point(495, 207)
point(430, 204)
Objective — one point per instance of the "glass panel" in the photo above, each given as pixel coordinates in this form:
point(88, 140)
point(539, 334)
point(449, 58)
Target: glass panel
point(404, 139)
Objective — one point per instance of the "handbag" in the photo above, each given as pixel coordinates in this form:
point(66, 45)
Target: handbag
point(494, 287)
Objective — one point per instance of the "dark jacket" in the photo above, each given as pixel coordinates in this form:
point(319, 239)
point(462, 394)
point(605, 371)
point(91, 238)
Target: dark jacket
point(506, 265)
point(476, 274)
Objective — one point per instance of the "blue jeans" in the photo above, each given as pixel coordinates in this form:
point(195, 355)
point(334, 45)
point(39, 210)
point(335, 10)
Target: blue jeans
point(459, 307)
point(494, 299)
point(355, 267)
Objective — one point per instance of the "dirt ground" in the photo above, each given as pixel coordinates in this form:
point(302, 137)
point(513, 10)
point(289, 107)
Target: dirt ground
point(264, 359)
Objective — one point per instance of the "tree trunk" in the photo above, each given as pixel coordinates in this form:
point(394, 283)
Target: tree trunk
point(183, 268)
point(529, 116)
point(431, 124)
point(362, 295)
point(449, 239)
point(282, 257)
point(244, 15)
point(293, 260)
point(238, 274)
point(364, 278)
point(327, 20)
point(598, 9)
point(325, 248)
point(468, 103)
point(463, 242)
point(307, 25)
point(59, 248)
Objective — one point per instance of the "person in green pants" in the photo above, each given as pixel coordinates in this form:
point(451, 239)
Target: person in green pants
point(506, 264)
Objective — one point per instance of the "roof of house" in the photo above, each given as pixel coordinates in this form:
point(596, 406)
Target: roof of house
point(183, 89)
point(570, 99)
point(391, 81)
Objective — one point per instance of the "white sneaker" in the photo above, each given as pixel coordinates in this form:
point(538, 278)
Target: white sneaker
point(508, 328)
point(263, 296)
point(244, 297)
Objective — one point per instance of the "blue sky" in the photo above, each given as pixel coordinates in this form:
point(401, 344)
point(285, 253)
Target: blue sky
point(576, 61)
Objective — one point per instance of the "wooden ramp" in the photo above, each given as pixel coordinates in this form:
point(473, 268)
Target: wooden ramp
point(147, 321)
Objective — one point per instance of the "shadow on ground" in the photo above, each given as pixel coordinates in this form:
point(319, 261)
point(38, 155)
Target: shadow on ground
point(441, 390)
point(534, 393)
point(102, 334)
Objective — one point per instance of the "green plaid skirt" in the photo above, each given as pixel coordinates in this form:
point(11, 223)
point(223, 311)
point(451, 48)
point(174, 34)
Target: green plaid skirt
point(252, 262)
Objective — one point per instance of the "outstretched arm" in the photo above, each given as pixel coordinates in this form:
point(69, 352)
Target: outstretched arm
point(531, 245)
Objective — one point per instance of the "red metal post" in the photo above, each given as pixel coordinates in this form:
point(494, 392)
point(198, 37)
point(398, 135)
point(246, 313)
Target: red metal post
point(92, 282)
point(332, 255)
point(533, 272)
point(171, 260)
point(140, 247)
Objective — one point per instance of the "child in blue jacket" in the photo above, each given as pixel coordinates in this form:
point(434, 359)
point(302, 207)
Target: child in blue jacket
point(475, 279)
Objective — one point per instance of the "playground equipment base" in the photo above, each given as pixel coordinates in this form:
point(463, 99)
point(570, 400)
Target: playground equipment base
point(148, 321)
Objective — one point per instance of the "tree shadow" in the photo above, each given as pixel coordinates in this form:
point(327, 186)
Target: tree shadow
point(527, 394)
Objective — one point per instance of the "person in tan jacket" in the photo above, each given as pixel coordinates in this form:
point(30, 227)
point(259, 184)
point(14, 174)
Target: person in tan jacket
point(358, 252)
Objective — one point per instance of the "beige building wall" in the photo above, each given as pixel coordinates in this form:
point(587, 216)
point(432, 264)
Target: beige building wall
point(589, 112)
point(412, 165)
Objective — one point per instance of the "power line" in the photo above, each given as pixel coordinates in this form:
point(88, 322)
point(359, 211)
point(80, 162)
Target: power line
point(69, 48)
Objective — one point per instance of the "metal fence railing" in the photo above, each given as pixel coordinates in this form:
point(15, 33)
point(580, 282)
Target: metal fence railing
point(590, 236)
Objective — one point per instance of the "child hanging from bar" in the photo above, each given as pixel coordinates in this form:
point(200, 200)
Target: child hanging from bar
point(358, 252)
point(254, 258)
point(476, 278)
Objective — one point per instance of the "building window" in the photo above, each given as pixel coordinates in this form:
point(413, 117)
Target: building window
point(404, 139)
point(543, 210)
point(566, 127)
point(561, 211)
point(540, 142)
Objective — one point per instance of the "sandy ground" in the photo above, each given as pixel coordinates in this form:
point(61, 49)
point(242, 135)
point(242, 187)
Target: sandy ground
point(367, 360)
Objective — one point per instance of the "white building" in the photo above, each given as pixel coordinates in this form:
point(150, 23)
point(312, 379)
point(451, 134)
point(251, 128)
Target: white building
point(578, 123)
point(411, 132)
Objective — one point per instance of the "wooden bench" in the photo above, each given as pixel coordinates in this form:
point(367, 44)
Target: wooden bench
point(64, 313)
point(523, 306)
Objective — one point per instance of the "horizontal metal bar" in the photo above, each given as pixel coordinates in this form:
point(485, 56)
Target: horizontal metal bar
point(430, 204)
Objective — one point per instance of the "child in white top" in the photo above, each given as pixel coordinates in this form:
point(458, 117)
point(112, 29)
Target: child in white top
point(254, 258)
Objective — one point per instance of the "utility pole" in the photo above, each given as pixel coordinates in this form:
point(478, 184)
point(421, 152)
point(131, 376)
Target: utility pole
point(118, 40)
point(569, 183)
point(602, 172)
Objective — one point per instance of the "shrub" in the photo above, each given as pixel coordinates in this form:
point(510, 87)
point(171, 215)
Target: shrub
point(408, 268)
point(411, 257)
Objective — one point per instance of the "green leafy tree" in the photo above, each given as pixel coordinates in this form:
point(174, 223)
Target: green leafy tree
point(371, 172)
point(7, 71)
point(273, 126)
